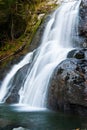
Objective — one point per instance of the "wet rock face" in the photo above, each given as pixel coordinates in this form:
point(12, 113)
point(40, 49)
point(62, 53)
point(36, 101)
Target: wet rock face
point(83, 20)
point(68, 88)
point(17, 82)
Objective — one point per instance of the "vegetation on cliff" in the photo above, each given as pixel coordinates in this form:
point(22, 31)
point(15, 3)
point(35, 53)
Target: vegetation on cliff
point(19, 20)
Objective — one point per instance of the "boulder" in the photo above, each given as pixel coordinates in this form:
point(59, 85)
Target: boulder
point(68, 87)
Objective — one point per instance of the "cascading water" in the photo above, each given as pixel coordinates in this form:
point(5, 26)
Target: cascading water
point(56, 43)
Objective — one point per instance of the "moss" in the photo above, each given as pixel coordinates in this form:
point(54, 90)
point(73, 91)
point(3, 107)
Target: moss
point(35, 27)
point(29, 13)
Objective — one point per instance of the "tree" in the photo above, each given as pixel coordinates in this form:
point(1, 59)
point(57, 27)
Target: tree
point(10, 14)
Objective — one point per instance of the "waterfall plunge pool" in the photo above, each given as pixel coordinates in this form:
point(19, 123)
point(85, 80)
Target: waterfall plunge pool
point(48, 56)
point(13, 117)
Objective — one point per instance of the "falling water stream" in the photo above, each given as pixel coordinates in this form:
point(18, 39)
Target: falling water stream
point(57, 41)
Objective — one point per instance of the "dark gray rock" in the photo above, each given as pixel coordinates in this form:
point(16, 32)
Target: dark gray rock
point(17, 81)
point(68, 87)
point(36, 41)
point(83, 22)
point(5, 70)
point(78, 54)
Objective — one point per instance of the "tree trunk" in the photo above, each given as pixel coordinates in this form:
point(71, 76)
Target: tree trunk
point(12, 29)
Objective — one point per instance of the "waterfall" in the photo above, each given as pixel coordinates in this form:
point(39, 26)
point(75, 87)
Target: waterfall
point(57, 41)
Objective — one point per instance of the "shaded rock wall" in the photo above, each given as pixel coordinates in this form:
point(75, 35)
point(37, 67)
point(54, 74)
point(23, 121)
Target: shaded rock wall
point(83, 22)
point(17, 81)
point(68, 88)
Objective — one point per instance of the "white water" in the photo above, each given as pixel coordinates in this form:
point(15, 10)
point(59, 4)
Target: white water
point(6, 85)
point(56, 43)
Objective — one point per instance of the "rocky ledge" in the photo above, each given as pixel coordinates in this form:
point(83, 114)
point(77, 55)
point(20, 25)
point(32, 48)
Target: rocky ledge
point(68, 87)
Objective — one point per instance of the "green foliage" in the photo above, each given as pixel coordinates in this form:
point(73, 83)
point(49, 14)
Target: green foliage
point(14, 15)
point(19, 22)
point(11, 15)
